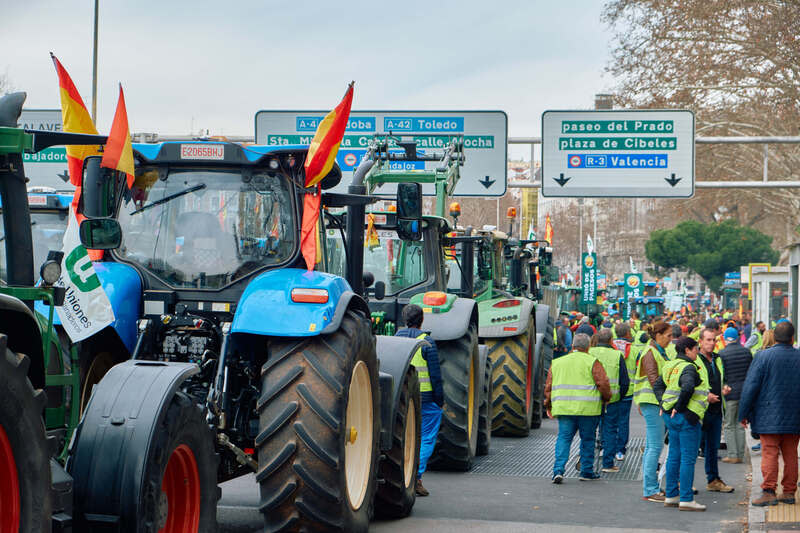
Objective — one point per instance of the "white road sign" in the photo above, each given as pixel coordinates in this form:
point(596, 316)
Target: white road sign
point(45, 168)
point(485, 142)
point(618, 153)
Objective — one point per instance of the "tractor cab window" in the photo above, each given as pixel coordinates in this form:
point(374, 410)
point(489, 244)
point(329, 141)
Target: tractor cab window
point(205, 228)
point(47, 232)
point(399, 264)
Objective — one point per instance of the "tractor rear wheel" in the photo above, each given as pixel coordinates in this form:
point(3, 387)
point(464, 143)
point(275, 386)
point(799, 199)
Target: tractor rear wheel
point(457, 442)
point(319, 423)
point(25, 503)
point(512, 383)
point(485, 412)
point(395, 497)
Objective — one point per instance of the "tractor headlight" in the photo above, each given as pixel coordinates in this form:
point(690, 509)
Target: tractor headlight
point(50, 271)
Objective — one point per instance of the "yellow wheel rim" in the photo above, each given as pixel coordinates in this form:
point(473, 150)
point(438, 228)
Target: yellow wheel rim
point(471, 398)
point(410, 447)
point(358, 443)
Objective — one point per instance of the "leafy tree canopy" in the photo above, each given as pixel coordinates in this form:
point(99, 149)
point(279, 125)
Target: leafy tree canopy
point(711, 250)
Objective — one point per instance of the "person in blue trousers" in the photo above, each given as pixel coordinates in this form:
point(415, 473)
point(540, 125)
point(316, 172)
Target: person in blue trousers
point(426, 361)
point(576, 389)
point(684, 391)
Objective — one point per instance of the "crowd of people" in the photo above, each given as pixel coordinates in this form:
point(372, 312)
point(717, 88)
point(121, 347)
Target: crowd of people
point(690, 379)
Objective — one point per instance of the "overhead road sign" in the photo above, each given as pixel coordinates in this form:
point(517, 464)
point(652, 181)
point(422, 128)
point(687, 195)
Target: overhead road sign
point(47, 168)
point(618, 154)
point(485, 142)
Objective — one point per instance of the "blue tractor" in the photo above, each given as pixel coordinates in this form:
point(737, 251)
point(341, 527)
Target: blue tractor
point(244, 361)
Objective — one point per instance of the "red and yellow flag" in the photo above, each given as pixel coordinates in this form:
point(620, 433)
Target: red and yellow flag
point(548, 230)
point(319, 161)
point(118, 152)
point(76, 119)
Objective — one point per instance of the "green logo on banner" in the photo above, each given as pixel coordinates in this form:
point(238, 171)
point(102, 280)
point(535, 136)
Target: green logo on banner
point(633, 289)
point(80, 270)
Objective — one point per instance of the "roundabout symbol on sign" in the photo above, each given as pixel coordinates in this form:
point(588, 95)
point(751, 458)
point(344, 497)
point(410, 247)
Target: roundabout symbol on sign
point(575, 161)
point(350, 160)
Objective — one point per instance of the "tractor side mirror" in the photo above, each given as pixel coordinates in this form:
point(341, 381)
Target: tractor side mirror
point(380, 290)
point(485, 263)
point(409, 201)
point(101, 233)
point(98, 189)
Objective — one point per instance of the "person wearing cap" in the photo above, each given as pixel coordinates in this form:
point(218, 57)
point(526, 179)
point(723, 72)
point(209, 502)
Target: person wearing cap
point(712, 372)
point(736, 361)
point(426, 362)
point(684, 395)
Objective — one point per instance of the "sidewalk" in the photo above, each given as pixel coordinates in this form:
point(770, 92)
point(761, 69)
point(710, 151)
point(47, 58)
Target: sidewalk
point(773, 518)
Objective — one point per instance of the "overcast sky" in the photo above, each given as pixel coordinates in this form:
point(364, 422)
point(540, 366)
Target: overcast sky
point(213, 64)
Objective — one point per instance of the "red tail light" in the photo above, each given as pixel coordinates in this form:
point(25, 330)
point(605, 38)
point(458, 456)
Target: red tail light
point(507, 303)
point(310, 296)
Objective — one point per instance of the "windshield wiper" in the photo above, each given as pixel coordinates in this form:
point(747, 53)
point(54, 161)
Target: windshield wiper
point(170, 197)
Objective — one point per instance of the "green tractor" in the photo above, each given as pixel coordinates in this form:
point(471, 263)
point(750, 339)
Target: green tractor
point(407, 265)
point(35, 490)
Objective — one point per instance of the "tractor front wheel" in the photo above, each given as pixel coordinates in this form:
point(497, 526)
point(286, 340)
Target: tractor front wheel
point(396, 495)
point(25, 503)
point(512, 383)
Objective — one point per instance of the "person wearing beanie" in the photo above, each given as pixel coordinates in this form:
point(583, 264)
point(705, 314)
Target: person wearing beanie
point(736, 361)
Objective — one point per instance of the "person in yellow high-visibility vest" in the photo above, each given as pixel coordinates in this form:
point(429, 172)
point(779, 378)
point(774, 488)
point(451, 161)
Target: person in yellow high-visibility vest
point(648, 368)
point(575, 390)
point(613, 362)
point(624, 343)
point(683, 390)
point(426, 361)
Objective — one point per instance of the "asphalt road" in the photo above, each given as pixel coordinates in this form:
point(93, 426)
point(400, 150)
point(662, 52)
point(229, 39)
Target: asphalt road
point(466, 502)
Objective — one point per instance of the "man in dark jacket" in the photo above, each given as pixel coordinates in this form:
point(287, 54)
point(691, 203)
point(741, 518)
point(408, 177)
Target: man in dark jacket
point(736, 360)
point(426, 362)
point(771, 403)
point(563, 337)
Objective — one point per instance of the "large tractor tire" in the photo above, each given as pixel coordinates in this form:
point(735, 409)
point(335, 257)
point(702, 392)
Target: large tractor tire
point(457, 442)
point(485, 422)
point(25, 503)
point(512, 383)
point(539, 378)
point(181, 490)
point(319, 420)
point(395, 497)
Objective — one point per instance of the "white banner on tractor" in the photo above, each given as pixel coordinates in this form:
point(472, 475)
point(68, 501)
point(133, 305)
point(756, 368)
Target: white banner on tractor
point(86, 308)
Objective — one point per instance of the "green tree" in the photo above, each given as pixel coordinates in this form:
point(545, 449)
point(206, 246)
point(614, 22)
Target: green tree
point(711, 250)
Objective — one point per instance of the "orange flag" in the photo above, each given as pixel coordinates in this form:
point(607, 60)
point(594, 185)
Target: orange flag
point(76, 119)
point(548, 230)
point(118, 153)
point(319, 161)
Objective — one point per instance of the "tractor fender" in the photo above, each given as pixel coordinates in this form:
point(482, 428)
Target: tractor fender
point(266, 306)
point(504, 329)
point(123, 286)
point(394, 355)
point(454, 323)
point(24, 336)
point(123, 413)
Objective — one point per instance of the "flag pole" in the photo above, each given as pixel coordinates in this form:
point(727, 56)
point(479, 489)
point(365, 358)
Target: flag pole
point(94, 65)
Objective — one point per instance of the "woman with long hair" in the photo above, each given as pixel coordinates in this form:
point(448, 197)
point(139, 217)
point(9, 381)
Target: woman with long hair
point(648, 369)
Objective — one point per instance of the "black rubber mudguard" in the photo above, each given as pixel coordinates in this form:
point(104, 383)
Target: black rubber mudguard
point(123, 412)
point(395, 354)
point(483, 353)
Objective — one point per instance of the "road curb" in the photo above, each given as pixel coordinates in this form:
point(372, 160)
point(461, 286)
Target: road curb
point(756, 516)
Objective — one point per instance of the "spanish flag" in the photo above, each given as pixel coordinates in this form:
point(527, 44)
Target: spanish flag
point(118, 152)
point(76, 119)
point(548, 230)
point(319, 161)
